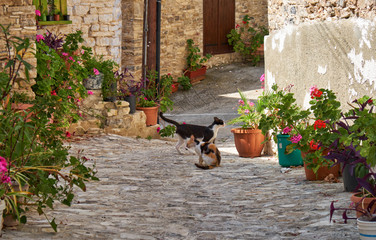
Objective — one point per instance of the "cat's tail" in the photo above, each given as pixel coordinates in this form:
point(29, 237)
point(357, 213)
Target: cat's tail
point(168, 120)
point(205, 167)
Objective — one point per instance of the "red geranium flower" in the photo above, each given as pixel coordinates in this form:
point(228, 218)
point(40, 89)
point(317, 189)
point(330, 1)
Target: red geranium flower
point(312, 145)
point(319, 124)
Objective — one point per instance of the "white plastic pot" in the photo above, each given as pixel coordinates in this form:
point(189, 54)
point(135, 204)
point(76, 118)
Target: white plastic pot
point(367, 229)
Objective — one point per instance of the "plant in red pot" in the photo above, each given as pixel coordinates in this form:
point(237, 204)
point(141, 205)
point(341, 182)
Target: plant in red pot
point(248, 138)
point(313, 136)
point(196, 69)
point(155, 95)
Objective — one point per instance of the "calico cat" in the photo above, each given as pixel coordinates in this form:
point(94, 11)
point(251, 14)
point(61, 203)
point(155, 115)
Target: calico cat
point(209, 155)
point(185, 131)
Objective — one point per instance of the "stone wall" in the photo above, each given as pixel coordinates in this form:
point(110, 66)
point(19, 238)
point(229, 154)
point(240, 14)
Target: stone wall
point(100, 22)
point(338, 55)
point(181, 20)
point(21, 15)
point(283, 12)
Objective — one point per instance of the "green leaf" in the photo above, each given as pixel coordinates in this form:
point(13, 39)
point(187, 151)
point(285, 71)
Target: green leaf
point(53, 225)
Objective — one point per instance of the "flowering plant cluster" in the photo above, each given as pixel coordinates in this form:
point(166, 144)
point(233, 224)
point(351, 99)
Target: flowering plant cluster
point(32, 145)
point(155, 93)
point(249, 113)
point(314, 135)
point(194, 59)
point(280, 112)
point(247, 37)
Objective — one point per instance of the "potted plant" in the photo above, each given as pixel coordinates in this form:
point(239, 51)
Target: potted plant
point(184, 82)
point(155, 95)
point(279, 114)
point(366, 217)
point(248, 138)
point(314, 136)
point(128, 88)
point(51, 9)
point(57, 14)
point(196, 69)
point(248, 39)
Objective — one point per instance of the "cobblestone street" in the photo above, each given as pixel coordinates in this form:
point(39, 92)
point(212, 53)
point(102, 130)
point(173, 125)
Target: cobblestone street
point(147, 191)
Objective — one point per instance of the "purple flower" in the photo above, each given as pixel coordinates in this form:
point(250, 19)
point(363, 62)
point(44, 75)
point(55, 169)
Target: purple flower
point(296, 138)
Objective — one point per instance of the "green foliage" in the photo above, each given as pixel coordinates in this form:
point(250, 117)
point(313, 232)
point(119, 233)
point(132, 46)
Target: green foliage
point(185, 82)
point(279, 111)
point(194, 58)
point(153, 93)
point(247, 37)
point(31, 140)
point(250, 113)
point(168, 131)
point(106, 67)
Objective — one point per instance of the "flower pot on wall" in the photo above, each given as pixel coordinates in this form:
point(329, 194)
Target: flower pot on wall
point(287, 160)
point(322, 172)
point(151, 114)
point(132, 103)
point(197, 75)
point(248, 142)
point(57, 17)
point(93, 82)
point(175, 87)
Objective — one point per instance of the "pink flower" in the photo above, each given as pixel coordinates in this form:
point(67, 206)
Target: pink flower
point(296, 138)
point(251, 104)
point(40, 37)
point(71, 58)
point(96, 72)
point(53, 93)
point(262, 78)
point(246, 111)
point(241, 102)
point(145, 98)
point(184, 123)
point(64, 54)
point(37, 12)
point(90, 92)
point(80, 114)
point(286, 130)
point(158, 129)
point(69, 87)
point(67, 134)
point(78, 62)
point(78, 100)
point(83, 51)
point(69, 97)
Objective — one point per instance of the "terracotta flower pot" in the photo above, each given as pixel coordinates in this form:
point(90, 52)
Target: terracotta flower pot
point(196, 76)
point(175, 87)
point(364, 202)
point(151, 114)
point(322, 172)
point(248, 142)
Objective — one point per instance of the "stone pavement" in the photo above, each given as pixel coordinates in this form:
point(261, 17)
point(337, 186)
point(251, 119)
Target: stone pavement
point(148, 191)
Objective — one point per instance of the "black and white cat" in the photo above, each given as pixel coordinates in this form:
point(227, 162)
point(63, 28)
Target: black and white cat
point(185, 131)
point(209, 155)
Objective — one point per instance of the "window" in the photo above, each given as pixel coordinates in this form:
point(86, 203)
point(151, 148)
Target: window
point(50, 8)
point(219, 19)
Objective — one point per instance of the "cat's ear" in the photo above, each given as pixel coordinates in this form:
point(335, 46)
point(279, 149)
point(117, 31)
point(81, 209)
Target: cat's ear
point(216, 119)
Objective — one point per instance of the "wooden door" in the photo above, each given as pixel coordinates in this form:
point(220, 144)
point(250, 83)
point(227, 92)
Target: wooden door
point(219, 19)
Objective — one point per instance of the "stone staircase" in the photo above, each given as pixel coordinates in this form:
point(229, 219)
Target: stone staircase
point(111, 117)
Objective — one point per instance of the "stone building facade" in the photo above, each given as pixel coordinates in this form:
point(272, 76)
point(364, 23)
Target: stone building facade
point(328, 43)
